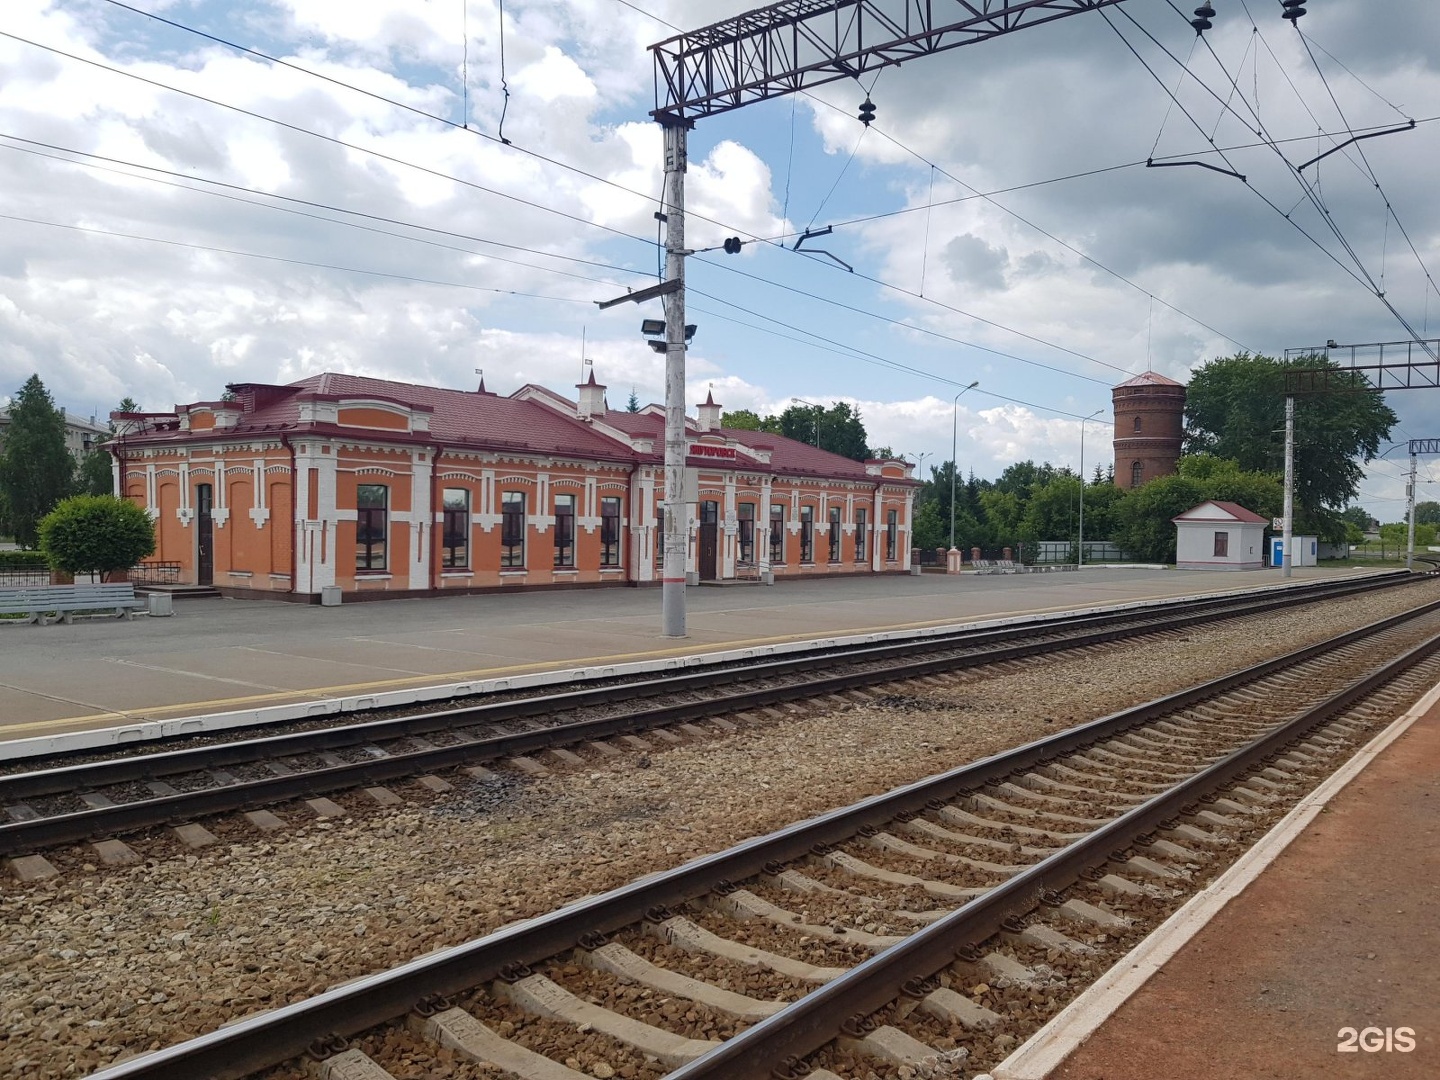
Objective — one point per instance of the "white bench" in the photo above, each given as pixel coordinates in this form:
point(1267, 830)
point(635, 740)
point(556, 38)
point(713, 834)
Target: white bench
point(35, 602)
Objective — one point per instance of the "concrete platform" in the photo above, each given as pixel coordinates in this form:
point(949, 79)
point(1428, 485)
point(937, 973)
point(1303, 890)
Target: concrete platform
point(227, 655)
point(1318, 957)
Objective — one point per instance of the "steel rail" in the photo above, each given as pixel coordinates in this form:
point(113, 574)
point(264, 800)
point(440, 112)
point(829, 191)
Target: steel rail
point(262, 1041)
point(24, 837)
point(816, 1019)
point(15, 787)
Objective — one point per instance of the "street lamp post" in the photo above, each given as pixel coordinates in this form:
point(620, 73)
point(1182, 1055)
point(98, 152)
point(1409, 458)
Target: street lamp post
point(1080, 543)
point(802, 401)
point(954, 568)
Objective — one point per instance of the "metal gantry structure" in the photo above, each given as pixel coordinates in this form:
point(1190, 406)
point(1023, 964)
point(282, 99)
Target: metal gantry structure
point(767, 53)
point(1373, 365)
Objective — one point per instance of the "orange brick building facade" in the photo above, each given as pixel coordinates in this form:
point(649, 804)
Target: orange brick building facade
point(379, 487)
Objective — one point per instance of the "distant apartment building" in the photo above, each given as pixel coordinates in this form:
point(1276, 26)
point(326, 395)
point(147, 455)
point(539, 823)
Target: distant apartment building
point(81, 436)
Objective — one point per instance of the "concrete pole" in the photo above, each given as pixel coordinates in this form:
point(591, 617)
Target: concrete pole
point(1287, 537)
point(953, 558)
point(1410, 517)
point(1080, 544)
point(677, 528)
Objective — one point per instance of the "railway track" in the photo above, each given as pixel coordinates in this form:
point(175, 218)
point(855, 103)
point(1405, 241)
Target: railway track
point(111, 797)
point(896, 933)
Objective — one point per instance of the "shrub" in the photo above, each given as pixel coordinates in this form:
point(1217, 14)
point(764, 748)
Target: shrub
point(23, 560)
point(96, 534)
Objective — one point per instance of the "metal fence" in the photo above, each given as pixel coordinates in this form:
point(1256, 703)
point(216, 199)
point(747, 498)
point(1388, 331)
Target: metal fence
point(155, 573)
point(24, 575)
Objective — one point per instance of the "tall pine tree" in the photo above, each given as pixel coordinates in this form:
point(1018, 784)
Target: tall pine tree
point(36, 470)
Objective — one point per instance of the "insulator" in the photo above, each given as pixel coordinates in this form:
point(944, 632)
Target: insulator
point(867, 112)
point(732, 245)
point(1203, 14)
point(1293, 9)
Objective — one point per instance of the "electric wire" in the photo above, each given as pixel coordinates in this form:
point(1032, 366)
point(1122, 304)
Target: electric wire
point(1360, 149)
point(329, 138)
point(840, 348)
point(1249, 187)
point(988, 196)
point(506, 195)
point(281, 259)
point(60, 150)
point(903, 324)
point(1367, 280)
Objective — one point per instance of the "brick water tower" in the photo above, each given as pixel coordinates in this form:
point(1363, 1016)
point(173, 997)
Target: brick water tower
point(1149, 425)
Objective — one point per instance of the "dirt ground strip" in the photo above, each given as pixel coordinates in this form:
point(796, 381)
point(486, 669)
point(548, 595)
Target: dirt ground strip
point(95, 964)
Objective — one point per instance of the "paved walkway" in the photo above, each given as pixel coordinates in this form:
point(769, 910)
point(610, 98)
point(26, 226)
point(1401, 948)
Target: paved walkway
point(1336, 943)
point(217, 655)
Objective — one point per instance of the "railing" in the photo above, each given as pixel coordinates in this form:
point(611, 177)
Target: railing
point(155, 573)
point(24, 575)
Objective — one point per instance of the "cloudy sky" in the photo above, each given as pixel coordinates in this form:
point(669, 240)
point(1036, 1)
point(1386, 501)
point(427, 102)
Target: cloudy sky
point(179, 214)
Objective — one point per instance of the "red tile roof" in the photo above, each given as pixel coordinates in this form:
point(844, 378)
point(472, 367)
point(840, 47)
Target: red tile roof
point(458, 418)
point(484, 420)
point(1149, 378)
point(788, 456)
point(1235, 510)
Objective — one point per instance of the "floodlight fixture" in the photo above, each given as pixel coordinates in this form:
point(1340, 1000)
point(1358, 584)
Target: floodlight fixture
point(652, 327)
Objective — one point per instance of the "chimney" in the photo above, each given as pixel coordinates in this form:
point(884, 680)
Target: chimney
point(709, 413)
point(592, 398)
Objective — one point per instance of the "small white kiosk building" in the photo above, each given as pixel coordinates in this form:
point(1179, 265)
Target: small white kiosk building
point(1219, 536)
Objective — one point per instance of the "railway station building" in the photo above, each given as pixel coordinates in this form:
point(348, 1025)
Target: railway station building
point(390, 489)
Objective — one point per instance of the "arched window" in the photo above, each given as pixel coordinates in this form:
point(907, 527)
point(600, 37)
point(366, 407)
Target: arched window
point(1137, 425)
point(1137, 472)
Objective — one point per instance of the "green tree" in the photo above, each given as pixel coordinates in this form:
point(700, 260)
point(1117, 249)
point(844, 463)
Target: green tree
point(1143, 521)
point(742, 420)
point(96, 534)
point(1235, 409)
point(633, 404)
point(1397, 535)
point(1102, 510)
point(1427, 513)
point(1052, 511)
point(96, 476)
point(1357, 516)
point(36, 470)
point(1225, 481)
point(929, 530)
point(837, 429)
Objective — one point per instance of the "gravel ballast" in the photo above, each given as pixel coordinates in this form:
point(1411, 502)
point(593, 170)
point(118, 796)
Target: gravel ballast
point(100, 963)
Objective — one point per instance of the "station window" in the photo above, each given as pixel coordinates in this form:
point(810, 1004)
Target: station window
point(807, 534)
point(610, 531)
point(565, 530)
point(1222, 545)
point(862, 537)
point(777, 534)
point(455, 529)
point(372, 513)
point(512, 529)
point(1137, 474)
point(1137, 425)
point(834, 534)
point(746, 512)
point(892, 533)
